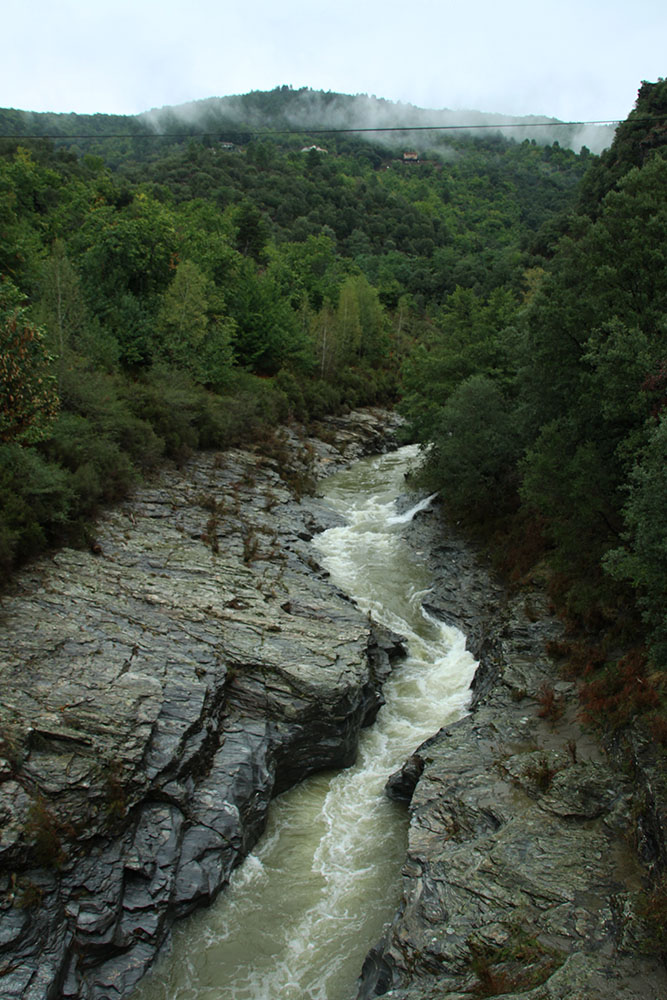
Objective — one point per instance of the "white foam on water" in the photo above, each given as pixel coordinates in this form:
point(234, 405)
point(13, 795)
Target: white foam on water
point(307, 904)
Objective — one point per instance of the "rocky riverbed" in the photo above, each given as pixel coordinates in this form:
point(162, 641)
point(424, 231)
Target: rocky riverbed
point(529, 848)
point(156, 692)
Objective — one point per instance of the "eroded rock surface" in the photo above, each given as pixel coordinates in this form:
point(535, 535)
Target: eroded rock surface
point(157, 694)
point(522, 877)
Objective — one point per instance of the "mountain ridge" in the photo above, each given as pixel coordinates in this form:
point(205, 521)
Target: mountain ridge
point(305, 110)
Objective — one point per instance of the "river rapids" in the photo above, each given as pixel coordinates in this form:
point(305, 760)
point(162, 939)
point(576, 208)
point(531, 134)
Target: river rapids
point(308, 903)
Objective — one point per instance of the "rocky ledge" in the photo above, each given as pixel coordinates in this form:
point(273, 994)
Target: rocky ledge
point(156, 692)
point(528, 847)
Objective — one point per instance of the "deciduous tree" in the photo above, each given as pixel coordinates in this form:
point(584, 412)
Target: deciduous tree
point(28, 396)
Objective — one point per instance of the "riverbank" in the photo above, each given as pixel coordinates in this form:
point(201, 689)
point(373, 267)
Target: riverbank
point(157, 691)
point(529, 847)
point(300, 915)
point(161, 687)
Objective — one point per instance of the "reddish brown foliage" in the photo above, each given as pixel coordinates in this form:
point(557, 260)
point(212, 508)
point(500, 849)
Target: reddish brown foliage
point(622, 692)
point(656, 386)
point(658, 728)
point(579, 659)
point(519, 546)
point(551, 704)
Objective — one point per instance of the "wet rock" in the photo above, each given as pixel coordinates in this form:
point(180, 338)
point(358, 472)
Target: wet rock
point(156, 695)
point(520, 879)
point(401, 785)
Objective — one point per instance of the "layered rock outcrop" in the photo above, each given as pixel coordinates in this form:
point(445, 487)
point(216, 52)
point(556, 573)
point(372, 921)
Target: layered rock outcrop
point(523, 876)
point(156, 693)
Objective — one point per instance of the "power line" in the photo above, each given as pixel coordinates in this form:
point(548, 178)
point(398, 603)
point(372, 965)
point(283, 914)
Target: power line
point(327, 131)
point(438, 128)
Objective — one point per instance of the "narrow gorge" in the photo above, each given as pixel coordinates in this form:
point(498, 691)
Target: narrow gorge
point(159, 691)
point(313, 896)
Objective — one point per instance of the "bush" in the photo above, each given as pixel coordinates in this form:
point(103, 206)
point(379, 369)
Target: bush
point(169, 406)
point(35, 500)
point(643, 560)
point(474, 453)
point(106, 400)
point(292, 388)
point(321, 398)
point(101, 471)
point(620, 692)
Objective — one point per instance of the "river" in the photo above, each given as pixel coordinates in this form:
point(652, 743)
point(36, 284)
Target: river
point(304, 908)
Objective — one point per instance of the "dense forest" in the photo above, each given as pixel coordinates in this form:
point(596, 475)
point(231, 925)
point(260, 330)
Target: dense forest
point(547, 433)
point(193, 287)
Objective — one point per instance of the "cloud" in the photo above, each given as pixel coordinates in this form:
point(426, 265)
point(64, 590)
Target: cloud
point(573, 60)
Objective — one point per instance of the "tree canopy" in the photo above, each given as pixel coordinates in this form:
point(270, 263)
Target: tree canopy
point(571, 370)
point(191, 291)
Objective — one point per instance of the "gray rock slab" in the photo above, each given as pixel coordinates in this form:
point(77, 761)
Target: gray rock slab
point(154, 696)
point(522, 877)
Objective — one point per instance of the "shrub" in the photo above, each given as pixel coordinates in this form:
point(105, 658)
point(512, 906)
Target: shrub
point(653, 910)
point(168, 403)
point(552, 705)
point(621, 691)
point(101, 471)
point(36, 496)
point(541, 772)
point(45, 832)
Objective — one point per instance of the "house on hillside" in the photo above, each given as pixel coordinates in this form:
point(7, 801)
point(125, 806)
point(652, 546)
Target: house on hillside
point(411, 157)
point(318, 149)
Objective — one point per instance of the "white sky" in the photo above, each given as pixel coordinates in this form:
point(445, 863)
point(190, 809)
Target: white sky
point(573, 60)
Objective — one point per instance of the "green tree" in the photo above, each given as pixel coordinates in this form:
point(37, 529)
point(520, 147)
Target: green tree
point(473, 452)
point(348, 323)
point(267, 334)
point(361, 325)
point(323, 332)
point(27, 191)
point(183, 320)
point(374, 342)
point(127, 261)
point(251, 232)
point(190, 338)
point(63, 312)
point(308, 269)
point(28, 396)
point(469, 336)
point(643, 559)
point(595, 331)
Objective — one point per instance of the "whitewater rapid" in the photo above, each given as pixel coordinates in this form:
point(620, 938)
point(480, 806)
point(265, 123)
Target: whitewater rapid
point(303, 910)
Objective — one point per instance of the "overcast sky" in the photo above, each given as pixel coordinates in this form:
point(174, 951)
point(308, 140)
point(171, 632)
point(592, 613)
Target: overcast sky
point(574, 60)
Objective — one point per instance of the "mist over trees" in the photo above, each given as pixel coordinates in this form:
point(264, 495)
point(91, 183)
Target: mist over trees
point(193, 276)
point(242, 118)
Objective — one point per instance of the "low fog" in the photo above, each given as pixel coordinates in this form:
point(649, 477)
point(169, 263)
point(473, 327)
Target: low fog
point(312, 111)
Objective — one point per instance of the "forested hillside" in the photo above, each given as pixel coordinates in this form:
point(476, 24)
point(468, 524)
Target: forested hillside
point(295, 114)
point(164, 290)
point(547, 434)
point(192, 293)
